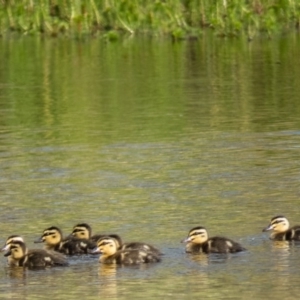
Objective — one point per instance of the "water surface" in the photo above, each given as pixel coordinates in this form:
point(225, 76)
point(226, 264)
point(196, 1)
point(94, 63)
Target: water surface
point(147, 139)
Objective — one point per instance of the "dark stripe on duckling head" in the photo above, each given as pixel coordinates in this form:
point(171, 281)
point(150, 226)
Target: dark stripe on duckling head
point(51, 231)
point(15, 237)
point(105, 240)
point(85, 225)
point(82, 227)
point(54, 228)
point(117, 239)
point(197, 228)
point(277, 217)
point(78, 230)
point(10, 239)
point(17, 245)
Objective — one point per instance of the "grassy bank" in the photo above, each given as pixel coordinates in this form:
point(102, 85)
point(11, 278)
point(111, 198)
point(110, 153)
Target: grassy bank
point(178, 18)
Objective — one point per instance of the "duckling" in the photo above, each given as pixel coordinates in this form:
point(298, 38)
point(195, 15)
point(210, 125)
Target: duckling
point(108, 248)
point(53, 239)
point(84, 231)
point(281, 231)
point(34, 258)
point(198, 242)
point(9, 240)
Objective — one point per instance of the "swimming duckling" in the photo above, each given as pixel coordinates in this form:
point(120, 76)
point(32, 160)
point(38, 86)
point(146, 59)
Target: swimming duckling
point(9, 240)
point(108, 247)
point(34, 258)
point(84, 231)
point(53, 239)
point(281, 231)
point(198, 242)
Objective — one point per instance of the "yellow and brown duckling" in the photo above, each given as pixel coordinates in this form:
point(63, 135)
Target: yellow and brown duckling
point(84, 231)
point(199, 242)
point(20, 256)
point(9, 240)
point(108, 248)
point(282, 231)
point(52, 237)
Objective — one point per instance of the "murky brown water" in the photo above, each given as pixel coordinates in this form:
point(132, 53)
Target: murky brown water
point(147, 138)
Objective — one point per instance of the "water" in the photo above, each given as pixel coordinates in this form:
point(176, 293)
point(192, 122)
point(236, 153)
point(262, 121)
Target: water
point(147, 139)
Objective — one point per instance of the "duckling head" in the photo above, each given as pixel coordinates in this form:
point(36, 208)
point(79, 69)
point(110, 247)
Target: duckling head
point(16, 249)
point(82, 231)
point(106, 246)
point(51, 236)
point(10, 239)
point(278, 224)
point(197, 235)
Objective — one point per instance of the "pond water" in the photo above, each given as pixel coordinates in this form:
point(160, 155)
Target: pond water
point(148, 138)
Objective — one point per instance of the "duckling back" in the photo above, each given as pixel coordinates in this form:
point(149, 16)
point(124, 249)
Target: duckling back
point(142, 247)
point(135, 245)
point(76, 246)
point(221, 245)
point(293, 234)
point(40, 258)
point(133, 257)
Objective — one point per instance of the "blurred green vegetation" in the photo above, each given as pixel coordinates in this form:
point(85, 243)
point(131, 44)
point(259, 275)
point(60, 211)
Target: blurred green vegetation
point(176, 18)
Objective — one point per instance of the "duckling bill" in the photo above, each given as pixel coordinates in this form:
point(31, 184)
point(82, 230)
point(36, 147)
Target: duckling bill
point(281, 230)
point(199, 242)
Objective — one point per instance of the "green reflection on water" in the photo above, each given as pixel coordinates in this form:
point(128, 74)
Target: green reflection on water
point(141, 89)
